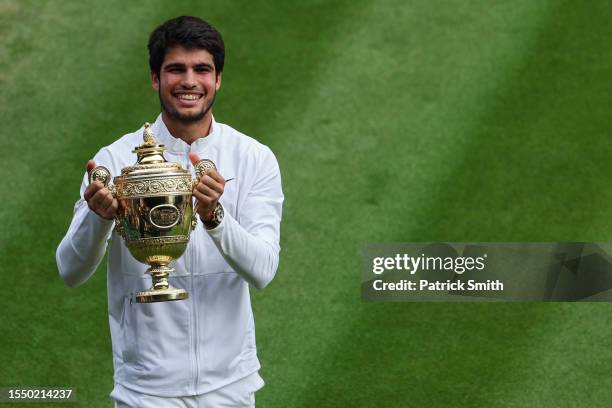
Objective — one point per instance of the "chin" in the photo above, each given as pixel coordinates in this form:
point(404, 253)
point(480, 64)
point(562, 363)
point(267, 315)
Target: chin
point(188, 117)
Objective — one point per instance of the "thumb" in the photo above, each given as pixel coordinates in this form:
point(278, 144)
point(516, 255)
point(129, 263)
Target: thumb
point(194, 158)
point(91, 165)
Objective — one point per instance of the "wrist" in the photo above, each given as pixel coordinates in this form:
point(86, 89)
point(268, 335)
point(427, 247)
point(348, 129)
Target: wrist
point(213, 218)
point(208, 215)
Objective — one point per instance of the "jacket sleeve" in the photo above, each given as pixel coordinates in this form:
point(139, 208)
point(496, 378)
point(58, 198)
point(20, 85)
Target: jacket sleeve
point(250, 244)
point(82, 248)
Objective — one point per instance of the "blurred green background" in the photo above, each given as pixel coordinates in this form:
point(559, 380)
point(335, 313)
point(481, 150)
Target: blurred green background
point(392, 121)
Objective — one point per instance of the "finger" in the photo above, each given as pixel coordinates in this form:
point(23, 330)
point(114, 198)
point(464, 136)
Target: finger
point(107, 201)
point(204, 194)
point(113, 207)
point(92, 189)
point(217, 187)
point(109, 212)
point(204, 201)
point(216, 176)
point(98, 199)
point(91, 165)
point(212, 183)
point(216, 184)
point(89, 192)
point(194, 158)
point(95, 200)
point(210, 191)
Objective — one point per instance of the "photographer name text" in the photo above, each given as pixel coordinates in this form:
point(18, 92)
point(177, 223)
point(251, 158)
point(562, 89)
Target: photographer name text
point(431, 264)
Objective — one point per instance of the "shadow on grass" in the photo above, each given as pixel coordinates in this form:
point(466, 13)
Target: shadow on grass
point(533, 172)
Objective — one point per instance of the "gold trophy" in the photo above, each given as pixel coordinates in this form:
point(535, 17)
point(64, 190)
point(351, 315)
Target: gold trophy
point(155, 214)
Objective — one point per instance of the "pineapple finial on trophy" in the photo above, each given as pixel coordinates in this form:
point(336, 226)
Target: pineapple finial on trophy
point(149, 152)
point(147, 135)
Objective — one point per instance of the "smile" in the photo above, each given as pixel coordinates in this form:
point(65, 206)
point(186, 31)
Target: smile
point(188, 96)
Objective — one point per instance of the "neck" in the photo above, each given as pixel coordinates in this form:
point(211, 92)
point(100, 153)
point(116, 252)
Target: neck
point(188, 132)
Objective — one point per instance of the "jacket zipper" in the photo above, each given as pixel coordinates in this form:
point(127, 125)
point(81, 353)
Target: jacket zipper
point(194, 309)
point(194, 304)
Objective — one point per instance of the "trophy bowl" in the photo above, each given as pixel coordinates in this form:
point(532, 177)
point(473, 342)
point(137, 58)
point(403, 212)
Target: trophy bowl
point(156, 214)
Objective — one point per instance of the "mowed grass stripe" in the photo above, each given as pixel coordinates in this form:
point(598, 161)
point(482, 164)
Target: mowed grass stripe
point(328, 266)
point(470, 369)
point(555, 139)
point(61, 105)
point(79, 116)
point(536, 156)
point(343, 94)
point(533, 175)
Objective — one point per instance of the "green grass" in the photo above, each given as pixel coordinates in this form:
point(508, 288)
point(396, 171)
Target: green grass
point(392, 121)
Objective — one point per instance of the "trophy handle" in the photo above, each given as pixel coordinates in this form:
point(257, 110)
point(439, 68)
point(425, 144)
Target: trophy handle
point(200, 167)
point(100, 173)
point(103, 175)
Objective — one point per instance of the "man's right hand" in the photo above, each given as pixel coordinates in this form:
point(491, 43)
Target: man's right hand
point(99, 198)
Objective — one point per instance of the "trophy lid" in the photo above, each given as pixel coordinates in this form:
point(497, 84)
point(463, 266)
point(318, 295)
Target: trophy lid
point(150, 157)
point(150, 151)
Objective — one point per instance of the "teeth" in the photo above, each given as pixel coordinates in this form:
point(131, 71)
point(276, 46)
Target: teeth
point(189, 97)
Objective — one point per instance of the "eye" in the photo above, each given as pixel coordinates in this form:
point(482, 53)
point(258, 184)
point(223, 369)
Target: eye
point(203, 68)
point(174, 69)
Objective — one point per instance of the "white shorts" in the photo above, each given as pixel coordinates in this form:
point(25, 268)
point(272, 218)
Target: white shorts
point(239, 394)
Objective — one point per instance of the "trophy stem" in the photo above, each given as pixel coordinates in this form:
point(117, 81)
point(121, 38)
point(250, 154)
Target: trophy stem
point(161, 290)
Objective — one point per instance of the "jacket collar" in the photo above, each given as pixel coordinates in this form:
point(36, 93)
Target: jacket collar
point(178, 146)
point(207, 147)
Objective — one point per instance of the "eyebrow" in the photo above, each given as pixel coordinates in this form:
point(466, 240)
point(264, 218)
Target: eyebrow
point(204, 65)
point(183, 66)
point(174, 65)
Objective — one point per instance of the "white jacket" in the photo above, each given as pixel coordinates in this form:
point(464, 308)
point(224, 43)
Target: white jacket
point(193, 346)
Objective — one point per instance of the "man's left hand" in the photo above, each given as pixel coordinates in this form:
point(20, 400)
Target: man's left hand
point(208, 190)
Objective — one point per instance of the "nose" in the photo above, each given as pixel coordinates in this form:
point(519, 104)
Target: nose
point(189, 79)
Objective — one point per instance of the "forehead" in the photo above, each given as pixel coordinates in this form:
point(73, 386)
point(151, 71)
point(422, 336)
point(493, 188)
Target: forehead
point(187, 56)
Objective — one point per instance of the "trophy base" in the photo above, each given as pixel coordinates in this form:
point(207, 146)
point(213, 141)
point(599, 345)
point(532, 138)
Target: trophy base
point(161, 295)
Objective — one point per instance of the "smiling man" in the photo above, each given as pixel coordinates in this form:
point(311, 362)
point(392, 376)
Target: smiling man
point(198, 352)
point(187, 82)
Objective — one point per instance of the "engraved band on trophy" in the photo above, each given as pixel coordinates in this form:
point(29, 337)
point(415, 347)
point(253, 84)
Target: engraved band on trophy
point(156, 213)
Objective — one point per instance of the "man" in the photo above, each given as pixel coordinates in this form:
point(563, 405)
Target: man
point(200, 351)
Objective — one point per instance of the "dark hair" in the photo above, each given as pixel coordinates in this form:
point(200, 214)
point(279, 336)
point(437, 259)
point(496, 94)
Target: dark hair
point(189, 32)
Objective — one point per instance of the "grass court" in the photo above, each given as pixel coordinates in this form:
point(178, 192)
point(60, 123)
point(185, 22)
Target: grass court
point(392, 121)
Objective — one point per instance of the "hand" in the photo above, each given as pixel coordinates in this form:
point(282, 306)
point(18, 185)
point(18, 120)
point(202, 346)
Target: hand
point(208, 190)
point(99, 198)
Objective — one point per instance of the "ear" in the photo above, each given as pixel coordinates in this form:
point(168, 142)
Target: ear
point(154, 81)
point(218, 84)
